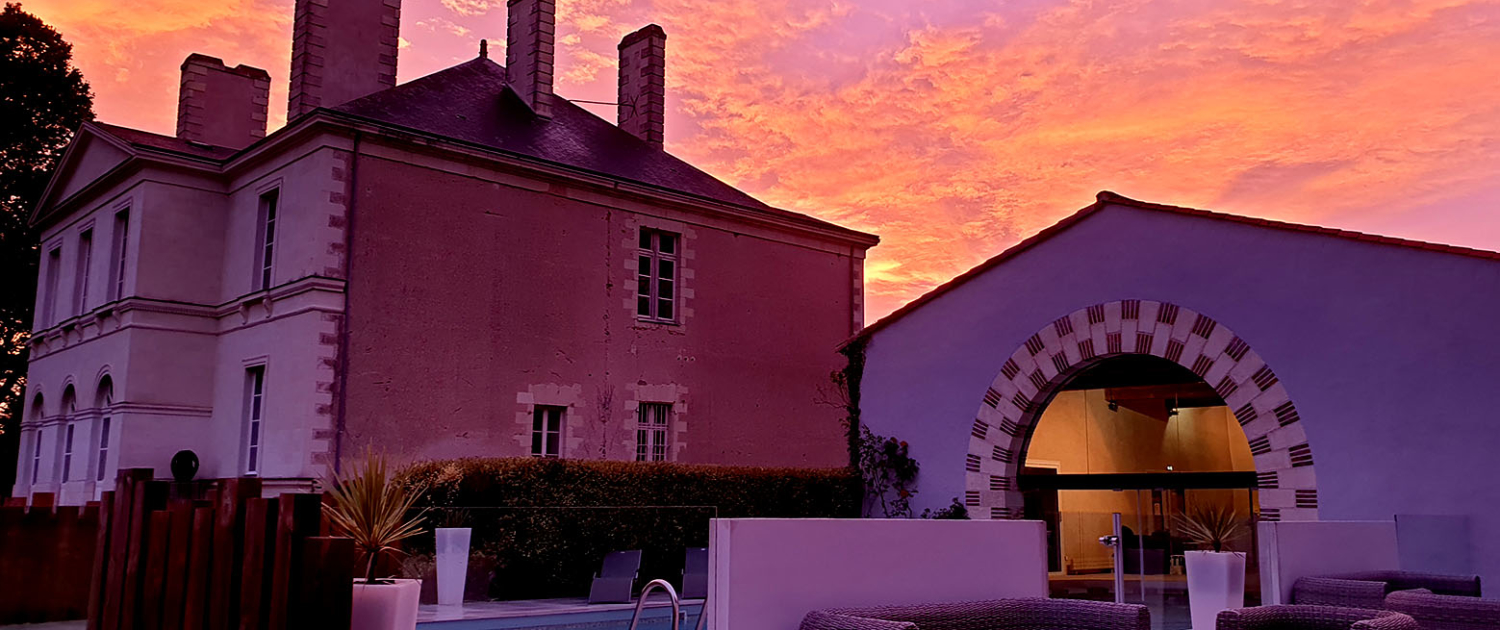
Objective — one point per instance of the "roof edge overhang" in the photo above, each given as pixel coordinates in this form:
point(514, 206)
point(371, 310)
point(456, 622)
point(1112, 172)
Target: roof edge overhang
point(1107, 198)
point(323, 119)
point(553, 170)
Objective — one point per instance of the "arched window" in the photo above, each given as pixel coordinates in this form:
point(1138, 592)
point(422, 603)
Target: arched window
point(104, 400)
point(36, 439)
point(70, 408)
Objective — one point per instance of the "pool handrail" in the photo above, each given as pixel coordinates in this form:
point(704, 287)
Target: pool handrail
point(640, 604)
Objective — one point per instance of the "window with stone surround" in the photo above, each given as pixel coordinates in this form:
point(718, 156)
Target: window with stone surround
point(70, 408)
point(81, 274)
point(36, 445)
point(121, 254)
point(104, 401)
point(49, 300)
point(657, 275)
point(546, 431)
point(255, 409)
point(652, 423)
point(265, 238)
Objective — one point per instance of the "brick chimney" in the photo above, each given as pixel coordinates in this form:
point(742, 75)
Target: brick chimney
point(529, 30)
point(341, 50)
point(643, 78)
point(220, 105)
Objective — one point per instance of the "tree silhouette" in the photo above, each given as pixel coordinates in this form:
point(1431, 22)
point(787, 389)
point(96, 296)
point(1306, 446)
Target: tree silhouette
point(43, 100)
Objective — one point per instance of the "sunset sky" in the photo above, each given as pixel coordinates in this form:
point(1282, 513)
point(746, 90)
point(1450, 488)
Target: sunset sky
point(954, 128)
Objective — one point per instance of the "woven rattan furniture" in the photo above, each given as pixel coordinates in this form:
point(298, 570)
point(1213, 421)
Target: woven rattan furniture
point(1446, 612)
point(1002, 614)
point(1312, 618)
point(1368, 589)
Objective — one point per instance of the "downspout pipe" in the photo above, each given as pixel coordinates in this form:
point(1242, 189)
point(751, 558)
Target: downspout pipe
point(351, 200)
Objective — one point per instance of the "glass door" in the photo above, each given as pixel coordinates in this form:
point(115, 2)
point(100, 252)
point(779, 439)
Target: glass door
point(1128, 546)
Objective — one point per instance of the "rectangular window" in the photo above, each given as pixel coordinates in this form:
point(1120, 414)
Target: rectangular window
point(652, 420)
point(255, 399)
point(546, 431)
point(121, 254)
point(81, 274)
point(103, 446)
point(49, 300)
point(36, 456)
point(656, 277)
point(265, 238)
point(67, 458)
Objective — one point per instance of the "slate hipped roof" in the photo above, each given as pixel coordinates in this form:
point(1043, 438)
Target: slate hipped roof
point(469, 102)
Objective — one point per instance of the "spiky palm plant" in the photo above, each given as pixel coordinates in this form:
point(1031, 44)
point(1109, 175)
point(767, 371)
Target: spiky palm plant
point(370, 508)
point(1212, 528)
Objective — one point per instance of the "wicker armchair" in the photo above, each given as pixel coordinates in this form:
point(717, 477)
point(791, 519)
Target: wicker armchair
point(1368, 589)
point(1446, 612)
point(1312, 618)
point(1003, 614)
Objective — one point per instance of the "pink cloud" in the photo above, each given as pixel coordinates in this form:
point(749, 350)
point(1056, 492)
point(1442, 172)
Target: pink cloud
point(955, 128)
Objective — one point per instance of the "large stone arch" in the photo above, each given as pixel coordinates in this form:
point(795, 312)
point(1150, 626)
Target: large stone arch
point(1035, 372)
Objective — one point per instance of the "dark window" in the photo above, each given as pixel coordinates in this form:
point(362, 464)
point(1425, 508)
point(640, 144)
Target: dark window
point(546, 431)
point(265, 235)
point(255, 401)
point(121, 251)
point(652, 421)
point(656, 276)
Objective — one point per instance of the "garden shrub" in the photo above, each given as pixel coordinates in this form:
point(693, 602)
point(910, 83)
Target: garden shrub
point(550, 522)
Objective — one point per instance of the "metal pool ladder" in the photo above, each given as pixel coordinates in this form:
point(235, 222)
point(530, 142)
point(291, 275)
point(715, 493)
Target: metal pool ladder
point(671, 592)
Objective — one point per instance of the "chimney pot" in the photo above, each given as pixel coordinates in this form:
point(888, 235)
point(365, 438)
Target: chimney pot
point(342, 50)
point(643, 76)
point(219, 105)
point(529, 32)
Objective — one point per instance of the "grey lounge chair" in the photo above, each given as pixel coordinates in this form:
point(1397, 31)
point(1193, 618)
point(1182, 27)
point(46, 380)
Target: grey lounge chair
point(616, 579)
point(1445, 612)
point(1368, 589)
point(1003, 614)
point(695, 573)
point(1300, 617)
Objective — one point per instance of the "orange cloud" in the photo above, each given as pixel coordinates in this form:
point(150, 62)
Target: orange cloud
point(955, 128)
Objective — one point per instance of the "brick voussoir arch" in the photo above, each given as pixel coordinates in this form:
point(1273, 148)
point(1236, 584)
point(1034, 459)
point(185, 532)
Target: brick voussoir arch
point(1035, 372)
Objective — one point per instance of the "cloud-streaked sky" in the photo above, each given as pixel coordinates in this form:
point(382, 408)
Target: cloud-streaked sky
point(954, 128)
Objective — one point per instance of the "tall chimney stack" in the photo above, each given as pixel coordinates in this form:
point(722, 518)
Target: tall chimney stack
point(220, 105)
point(342, 50)
point(643, 81)
point(529, 30)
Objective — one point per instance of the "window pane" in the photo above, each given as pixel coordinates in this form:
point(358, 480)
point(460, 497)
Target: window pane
point(554, 419)
point(664, 309)
point(668, 243)
point(552, 445)
point(536, 443)
point(645, 239)
point(640, 445)
point(253, 459)
point(666, 269)
point(643, 286)
point(536, 418)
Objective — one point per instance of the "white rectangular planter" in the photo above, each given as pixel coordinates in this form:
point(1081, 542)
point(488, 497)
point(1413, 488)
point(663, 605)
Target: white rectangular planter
point(1216, 582)
point(452, 564)
point(391, 606)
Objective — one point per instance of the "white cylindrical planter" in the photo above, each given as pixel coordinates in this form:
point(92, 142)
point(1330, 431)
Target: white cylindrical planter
point(391, 606)
point(452, 564)
point(1216, 582)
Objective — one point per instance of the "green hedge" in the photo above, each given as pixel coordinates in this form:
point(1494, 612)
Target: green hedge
point(548, 523)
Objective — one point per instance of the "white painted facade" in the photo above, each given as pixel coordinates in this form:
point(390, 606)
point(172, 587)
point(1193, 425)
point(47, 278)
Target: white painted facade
point(173, 341)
